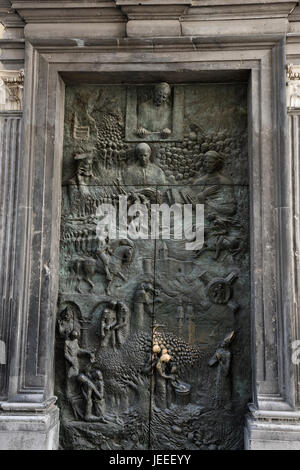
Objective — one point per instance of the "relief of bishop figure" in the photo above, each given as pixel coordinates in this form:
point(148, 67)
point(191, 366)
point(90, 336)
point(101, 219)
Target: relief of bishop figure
point(155, 115)
point(143, 171)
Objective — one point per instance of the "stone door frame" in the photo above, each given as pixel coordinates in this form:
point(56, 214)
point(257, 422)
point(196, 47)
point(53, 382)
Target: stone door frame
point(52, 62)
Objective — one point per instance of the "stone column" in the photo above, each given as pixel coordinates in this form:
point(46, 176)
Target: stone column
point(276, 426)
point(10, 137)
point(22, 426)
point(11, 91)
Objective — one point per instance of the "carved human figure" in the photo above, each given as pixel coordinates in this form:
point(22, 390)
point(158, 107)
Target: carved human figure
point(103, 253)
point(125, 250)
point(143, 171)
point(99, 401)
point(66, 322)
point(222, 359)
point(84, 171)
point(219, 197)
point(222, 231)
point(92, 388)
point(107, 325)
point(123, 323)
point(180, 319)
point(218, 292)
point(72, 352)
point(295, 95)
point(178, 385)
point(100, 261)
point(155, 115)
point(143, 300)
point(161, 378)
point(79, 184)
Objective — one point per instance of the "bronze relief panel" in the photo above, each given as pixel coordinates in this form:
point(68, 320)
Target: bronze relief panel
point(153, 335)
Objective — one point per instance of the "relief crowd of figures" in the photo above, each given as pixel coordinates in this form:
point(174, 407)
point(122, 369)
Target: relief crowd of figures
point(163, 365)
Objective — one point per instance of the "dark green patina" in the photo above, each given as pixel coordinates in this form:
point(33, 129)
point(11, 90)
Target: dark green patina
point(153, 340)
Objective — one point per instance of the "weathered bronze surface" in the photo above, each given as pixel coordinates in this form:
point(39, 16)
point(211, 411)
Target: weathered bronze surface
point(153, 340)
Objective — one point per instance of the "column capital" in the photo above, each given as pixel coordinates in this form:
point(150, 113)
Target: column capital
point(11, 90)
point(293, 87)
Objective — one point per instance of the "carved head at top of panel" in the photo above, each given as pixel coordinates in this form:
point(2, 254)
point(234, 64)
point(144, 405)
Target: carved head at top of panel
point(161, 93)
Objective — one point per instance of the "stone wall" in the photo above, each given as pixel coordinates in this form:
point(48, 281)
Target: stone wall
point(57, 43)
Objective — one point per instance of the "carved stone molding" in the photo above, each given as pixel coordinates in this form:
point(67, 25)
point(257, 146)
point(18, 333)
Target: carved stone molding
point(276, 425)
point(293, 87)
point(154, 9)
point(11, 21)
point(69, 12)
point(11, 90)
point(35, 431)
point(293, 72)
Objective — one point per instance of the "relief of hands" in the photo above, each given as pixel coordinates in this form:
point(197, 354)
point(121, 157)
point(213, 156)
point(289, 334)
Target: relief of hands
point(207, 192)
point(141, 132)
point(92, 357)
point(165, 133)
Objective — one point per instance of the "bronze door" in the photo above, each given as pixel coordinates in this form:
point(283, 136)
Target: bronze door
point(153, 332)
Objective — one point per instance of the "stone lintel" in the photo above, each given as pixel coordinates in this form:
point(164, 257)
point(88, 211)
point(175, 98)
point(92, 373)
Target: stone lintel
point(152, 12)
point(75, 32)
point(123, 10)
point(151, 3)
point(234, 26)
point(215, 3)
point(243, 11)
point(153, 28)
point(71, 12)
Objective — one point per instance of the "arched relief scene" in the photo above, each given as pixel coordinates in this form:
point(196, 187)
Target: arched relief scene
point(153, 332)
